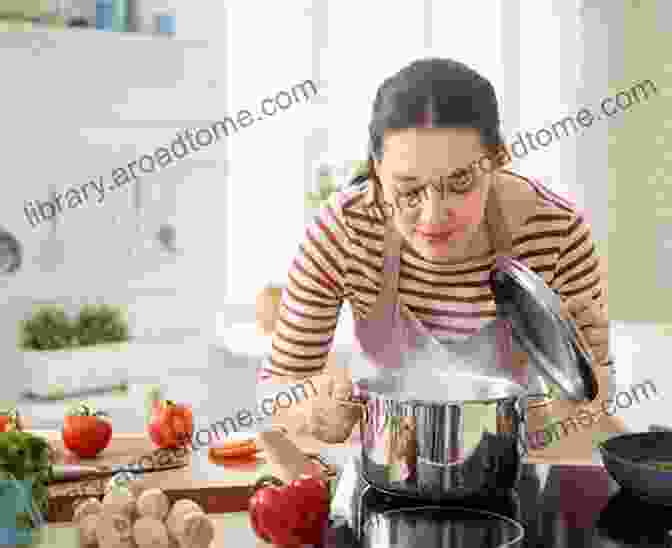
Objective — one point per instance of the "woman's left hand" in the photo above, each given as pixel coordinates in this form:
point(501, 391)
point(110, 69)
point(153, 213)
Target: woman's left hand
point(592, 319)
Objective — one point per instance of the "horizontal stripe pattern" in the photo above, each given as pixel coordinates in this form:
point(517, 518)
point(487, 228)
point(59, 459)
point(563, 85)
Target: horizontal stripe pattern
point(341, 258)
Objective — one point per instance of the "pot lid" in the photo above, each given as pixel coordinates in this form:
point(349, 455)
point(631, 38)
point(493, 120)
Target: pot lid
point(551, 341)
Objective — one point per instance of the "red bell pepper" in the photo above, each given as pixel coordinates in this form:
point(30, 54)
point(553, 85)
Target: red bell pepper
point(290, 515)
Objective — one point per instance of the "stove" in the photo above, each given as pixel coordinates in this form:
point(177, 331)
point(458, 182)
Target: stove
point(553, 506)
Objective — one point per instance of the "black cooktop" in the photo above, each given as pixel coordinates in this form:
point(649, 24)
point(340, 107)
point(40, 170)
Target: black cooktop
point(557, 506)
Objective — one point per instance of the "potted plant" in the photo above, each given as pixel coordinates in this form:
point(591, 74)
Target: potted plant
point(326, 186)
point(25, 472)
point(65, 353)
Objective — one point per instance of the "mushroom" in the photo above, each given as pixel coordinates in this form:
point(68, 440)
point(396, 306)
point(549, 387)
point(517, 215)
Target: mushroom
point(198, 530)
point(193, 529)
point(153, 503)
point(150, 532)
point(180, 507)
point(87, 529)
point(114, 531)
point(119, 501)
point(86, 507)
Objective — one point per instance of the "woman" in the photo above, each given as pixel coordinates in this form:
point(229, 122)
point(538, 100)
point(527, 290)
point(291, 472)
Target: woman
point(415, 238)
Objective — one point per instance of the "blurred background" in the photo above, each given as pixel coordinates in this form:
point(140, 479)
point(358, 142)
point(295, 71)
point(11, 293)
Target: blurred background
point(91, 85)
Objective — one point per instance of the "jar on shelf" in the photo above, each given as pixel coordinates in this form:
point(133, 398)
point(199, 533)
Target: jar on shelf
point(112, 15)
point(165, 22)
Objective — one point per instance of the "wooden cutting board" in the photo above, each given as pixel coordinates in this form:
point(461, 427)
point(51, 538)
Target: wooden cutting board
point(216, 487)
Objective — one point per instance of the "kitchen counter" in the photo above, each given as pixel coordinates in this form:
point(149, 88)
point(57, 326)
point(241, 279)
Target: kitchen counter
point(220, 381)
point(559, 506)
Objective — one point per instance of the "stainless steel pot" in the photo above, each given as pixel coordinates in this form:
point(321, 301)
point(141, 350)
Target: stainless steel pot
point(441, 527)
point(441, 452)
point(452, 449)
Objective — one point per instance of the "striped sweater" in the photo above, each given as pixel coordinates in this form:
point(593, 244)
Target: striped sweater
point(341, 258)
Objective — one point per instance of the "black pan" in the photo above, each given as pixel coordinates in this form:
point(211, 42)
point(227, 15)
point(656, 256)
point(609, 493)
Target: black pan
point(634, 462)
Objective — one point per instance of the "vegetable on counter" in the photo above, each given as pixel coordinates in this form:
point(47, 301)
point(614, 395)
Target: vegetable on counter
point(170, 424)
point(24, 457)
point(86, 432)
point(148, 521)
point(234, 447)
point(290, 514)
point(9, 419)
point(153, 503)
point(191, 528)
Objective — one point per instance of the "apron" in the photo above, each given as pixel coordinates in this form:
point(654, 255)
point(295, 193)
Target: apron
point(391, 344)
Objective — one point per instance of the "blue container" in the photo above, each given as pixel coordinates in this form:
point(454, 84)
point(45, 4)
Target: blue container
point(164, 23)
point(104, 14)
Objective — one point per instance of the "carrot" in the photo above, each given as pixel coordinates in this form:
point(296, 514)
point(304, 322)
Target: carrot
point(234, 449)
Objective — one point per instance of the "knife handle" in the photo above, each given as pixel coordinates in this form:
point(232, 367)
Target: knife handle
point(286, 459)
point(72, 472)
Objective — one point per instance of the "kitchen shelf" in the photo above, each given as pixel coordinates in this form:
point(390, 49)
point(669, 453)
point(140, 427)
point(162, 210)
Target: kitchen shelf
point(63, 34)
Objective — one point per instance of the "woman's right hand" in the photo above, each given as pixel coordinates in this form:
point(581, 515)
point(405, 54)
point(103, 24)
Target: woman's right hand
point(327, 419)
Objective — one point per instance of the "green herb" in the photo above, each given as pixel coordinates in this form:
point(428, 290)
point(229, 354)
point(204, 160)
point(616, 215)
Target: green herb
point(56, 392)
point(154, 393)
point(100, 324)
point(326, 187)
point(360, 167)
point(50, 328)
point(84, 409)
point(25, 457)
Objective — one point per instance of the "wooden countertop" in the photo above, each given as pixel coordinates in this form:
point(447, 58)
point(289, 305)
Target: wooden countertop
point(231, 529)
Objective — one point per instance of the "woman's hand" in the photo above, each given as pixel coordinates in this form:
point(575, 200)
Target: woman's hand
point(593, 323)
point(592, 320)
point(327, 419)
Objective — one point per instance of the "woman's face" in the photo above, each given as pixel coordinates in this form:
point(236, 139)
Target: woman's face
point(438, 195)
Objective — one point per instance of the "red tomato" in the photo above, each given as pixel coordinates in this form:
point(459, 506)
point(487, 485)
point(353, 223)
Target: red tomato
point(86, 435)
point(171, 424)
point(10, 421)
point(290, 515)
point(5, 423)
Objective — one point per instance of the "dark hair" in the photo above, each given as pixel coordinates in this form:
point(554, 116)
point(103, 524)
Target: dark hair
point(434, 91)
